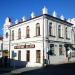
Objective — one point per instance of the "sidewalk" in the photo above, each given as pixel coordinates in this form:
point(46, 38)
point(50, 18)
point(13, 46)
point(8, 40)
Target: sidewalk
point(18, 71)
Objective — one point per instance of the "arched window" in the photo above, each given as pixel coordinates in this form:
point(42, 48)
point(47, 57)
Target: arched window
point(66, 32)
point(13, 35)
point(59, 31)
point(50, 28)
point(37, 29)
point(27, 32)
point(19, 33)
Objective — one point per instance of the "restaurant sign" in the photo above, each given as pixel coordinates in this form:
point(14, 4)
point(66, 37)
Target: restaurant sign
point(24, 46)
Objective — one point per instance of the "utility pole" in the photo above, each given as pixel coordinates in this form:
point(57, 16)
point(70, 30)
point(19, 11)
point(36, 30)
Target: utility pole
point(43, 40)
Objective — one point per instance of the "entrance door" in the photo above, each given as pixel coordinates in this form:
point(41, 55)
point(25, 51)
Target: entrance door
point(28, 55)
point(37, 56)
point(19, 55)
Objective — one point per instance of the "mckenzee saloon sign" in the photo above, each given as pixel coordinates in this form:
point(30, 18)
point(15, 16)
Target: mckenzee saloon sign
point(24, 46)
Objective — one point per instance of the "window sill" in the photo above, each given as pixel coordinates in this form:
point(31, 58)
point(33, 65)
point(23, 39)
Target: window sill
point(68, 38)
point(61, 37)
point(27, 37)
point(11, 40)
point(37, 35)
point(61, 54)
point(19, 39)
point(52, 35)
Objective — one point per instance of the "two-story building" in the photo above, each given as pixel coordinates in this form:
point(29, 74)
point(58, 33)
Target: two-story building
point(1, 46)
point(37, 39)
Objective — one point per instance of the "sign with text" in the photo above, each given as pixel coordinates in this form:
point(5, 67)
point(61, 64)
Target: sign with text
point(24, 46)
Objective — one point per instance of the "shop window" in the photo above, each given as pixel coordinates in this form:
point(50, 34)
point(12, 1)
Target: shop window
point(60, 50)
point(37, 56)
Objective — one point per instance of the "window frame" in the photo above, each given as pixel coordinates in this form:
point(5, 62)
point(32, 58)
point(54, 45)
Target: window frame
point(19, 33)
point(27, 32)
point(6, 34)
point(12, 35)
point(38, 29)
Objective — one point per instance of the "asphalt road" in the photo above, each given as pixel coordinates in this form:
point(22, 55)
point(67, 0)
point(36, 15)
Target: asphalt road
point(64, 69)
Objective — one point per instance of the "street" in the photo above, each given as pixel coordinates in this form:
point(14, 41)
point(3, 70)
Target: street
point(64, 69)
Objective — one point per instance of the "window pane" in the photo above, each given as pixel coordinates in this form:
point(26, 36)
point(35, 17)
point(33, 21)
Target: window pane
point(27, 32)
point(59, 31)
point(19, 33)
point(60, 50)
point(19, 55)
point(37, 29)
point(37, 56)
point(13, 35)
point(66, 32)
point(50, 28)
point(28, 55)
point(6, 34)
point(51, 49)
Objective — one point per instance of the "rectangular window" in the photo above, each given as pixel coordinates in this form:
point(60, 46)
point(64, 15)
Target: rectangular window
point(60, 50)
point(74, 38)
point(37, 29)
point(27, 32)
point(28, 55)
point(12, 55)
point(66, 32)
point(37, 56)
point(13, 35)
point(50, 29)
point(59, 31)
point(19, 33)
point(51, 49)
point(19, 55)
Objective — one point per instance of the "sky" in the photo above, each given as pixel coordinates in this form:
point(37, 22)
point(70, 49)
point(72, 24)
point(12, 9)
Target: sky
point(16, 9)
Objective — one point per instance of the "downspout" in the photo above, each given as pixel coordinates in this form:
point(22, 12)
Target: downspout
point(43, 40)
point(9, 44)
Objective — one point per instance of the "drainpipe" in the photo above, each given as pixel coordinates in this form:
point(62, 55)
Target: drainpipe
point(43, 40)
point(9, 44)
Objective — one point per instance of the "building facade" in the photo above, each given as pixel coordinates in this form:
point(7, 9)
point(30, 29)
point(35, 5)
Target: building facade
point(38, 40)
point(1, 46)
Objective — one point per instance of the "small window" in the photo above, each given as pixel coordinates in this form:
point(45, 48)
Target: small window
point(28, 56)
point(37, 29)
point(13, 35)
point(52, 49)
point(6, 34)
point(19, 33)
point(27, 32)
point(38, 57)
point(59, 31)
point(50, 29)
point(60, 50)
point(66, 32)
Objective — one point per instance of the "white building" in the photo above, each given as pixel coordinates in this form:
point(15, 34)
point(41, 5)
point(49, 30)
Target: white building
point(1, 46)
point(37, 39)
